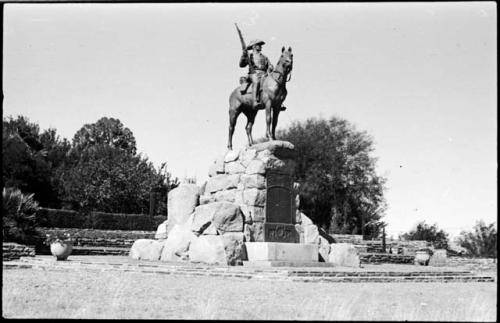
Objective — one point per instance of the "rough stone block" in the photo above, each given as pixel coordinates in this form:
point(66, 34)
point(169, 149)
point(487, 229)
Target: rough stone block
point(253, 181)
point(222, 182)
point(275, 146)
point(231, 156)
point(238, 195)
point(283, 166)
point(254, 197)
point(311, 234)
point(226, 195)
point(256, 166)
point(305, 220)
point(146, 249)
point(344, 255)
point(208, 249)
point(181, 203)
point(324, 249)
point(177, 244)
point(300, 232)
point(225, 216)
point(205, 199)
point(254, 232)
point(246, 155)
point(234, 248)
point(161, 231)
point(234, 168)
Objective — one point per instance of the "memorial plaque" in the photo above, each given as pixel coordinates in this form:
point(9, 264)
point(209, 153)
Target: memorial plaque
point(279, 199)
point(278, 232)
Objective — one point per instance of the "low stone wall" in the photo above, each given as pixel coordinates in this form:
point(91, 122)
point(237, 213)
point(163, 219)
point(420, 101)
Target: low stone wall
point(101, 238)
point(386, 258)
point(348, 238)
point(473, 263)
point(100, 251)
point(12, 251)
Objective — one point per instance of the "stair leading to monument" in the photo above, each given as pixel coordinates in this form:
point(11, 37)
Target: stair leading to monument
point(334, 275)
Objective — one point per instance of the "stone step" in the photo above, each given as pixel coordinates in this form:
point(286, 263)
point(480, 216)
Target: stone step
point(318, 275)
point(99, 251)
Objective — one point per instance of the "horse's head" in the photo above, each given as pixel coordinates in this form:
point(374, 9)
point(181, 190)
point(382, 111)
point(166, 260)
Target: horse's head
point(286, 60)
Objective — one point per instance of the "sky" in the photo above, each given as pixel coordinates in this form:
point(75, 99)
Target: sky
point(420, 78)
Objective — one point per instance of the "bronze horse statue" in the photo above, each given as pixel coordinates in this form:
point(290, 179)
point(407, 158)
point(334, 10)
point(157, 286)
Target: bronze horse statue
point(272, 96)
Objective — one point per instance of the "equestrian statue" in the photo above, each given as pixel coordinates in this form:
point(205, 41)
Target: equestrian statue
point(263, 88)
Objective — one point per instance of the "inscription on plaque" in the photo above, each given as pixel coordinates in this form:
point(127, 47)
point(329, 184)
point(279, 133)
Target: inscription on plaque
point(276, 232)
point(279, 198)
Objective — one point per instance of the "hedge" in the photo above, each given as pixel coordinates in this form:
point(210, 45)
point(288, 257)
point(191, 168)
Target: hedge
point(120, 221)
point(60, 218)
point(54, 218)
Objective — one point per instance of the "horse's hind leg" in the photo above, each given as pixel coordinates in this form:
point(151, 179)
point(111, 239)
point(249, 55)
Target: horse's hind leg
point(233, 116)
point(250, 120)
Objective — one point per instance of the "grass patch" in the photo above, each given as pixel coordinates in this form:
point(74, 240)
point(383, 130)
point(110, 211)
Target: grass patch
point(126, 295)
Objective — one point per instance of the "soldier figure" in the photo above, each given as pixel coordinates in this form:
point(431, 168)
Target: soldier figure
point(258, 65)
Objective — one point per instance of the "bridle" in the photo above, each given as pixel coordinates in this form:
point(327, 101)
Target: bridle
point(281, 75)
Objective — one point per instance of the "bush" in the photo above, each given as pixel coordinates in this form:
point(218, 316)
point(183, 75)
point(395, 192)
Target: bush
point(19, 219)
point(481, 242)
point(429, 233)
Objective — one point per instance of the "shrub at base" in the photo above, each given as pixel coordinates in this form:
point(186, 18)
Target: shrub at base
point(146, 249)
point(344, 255)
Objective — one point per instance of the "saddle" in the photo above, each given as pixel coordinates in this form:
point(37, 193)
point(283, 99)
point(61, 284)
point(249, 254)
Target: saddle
point(246, 82)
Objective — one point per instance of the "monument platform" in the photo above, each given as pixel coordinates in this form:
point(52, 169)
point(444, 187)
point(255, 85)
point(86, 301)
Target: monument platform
point(386, 273)
point(264, 263)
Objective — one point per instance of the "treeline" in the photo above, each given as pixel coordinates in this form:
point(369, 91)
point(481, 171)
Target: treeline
point(481, 241)
point(99, 170)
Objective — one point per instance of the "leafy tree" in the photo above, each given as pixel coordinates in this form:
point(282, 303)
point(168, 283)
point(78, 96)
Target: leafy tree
point(106, 131)
point(430, 233)
point(102, 172)
point(30, 159)
point(19, 217)
point(481, 241)
point(339, 187)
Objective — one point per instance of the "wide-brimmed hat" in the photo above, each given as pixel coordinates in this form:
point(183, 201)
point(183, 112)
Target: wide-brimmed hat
point(255, 42)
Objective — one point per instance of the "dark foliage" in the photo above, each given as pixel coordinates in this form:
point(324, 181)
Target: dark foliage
point(339, 187)
point(481, 241)
point(430, 233)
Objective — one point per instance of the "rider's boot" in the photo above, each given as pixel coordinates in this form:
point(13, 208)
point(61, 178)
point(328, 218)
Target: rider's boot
point(256, 97)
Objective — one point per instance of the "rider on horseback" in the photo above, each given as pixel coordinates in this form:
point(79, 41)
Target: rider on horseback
point(258, 65)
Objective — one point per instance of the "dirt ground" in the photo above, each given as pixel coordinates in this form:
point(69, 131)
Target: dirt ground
point(30, 293)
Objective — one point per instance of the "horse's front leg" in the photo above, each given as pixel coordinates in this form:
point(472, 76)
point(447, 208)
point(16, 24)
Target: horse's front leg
point(248, 128)
point(268, 119)
point(276, 112)
point(233, 116)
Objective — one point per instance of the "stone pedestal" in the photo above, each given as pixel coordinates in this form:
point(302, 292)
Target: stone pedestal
point(259, 179)
point(280, 254)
